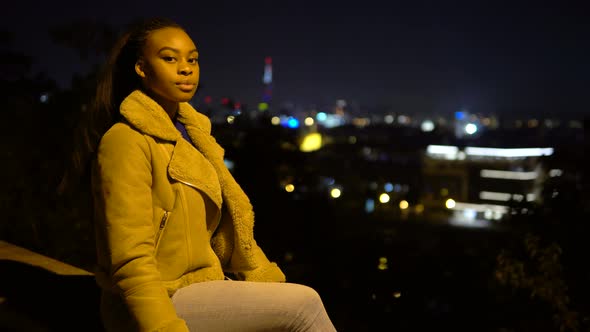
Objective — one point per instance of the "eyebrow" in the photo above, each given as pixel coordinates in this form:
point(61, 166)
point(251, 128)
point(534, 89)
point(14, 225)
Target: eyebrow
point(176, 50)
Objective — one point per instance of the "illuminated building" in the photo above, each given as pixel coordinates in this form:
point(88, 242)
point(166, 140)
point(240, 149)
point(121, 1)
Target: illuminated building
point(264, 105)
point(483, 183)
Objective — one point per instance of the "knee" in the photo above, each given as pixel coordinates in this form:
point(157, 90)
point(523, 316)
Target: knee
point(312, 315)
point(309, 299)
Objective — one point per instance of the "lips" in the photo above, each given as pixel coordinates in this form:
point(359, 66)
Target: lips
point(186, 86)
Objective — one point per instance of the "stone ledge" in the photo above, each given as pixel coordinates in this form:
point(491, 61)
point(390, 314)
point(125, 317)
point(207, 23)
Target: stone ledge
point(40, 294)
point(9, 251)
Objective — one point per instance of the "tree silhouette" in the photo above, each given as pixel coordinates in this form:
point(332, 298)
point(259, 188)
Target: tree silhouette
point(85, 37)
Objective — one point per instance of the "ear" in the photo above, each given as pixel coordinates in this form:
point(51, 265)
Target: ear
point(139, 68)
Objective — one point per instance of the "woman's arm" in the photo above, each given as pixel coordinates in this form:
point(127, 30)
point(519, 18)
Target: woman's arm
point(123, 180)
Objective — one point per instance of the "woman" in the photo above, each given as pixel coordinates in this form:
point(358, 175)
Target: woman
point(174, 230)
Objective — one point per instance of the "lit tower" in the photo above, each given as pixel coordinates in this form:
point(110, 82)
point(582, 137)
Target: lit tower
point(267, 82)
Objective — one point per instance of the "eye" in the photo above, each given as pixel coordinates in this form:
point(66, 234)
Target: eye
point(168, 58)
point(193, 60)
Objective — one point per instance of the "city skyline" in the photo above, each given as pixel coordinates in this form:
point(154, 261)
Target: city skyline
point(420, 58)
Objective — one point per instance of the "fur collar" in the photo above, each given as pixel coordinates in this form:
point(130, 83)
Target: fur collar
point(150, 118)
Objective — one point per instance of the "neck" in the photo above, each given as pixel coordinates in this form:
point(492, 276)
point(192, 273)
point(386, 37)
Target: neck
point(172, 111)
point(171, 107)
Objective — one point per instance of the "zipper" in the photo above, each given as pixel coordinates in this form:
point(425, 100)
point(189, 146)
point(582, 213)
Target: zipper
point(187, 183)
point(161, 228)
point(181, 191)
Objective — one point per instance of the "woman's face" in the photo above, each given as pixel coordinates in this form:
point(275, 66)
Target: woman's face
point(169, 67)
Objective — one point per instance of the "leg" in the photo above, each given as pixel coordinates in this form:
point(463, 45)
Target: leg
point(251, 306)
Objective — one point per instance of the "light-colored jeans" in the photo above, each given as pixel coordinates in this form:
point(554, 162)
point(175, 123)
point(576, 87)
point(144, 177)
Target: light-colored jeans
point(251, 306)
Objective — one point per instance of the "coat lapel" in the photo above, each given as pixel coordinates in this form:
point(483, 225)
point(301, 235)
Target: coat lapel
point(189, 166)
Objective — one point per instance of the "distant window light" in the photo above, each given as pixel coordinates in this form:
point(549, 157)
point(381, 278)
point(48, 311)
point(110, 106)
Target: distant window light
point(293, 123)
point(361, 122)
point(321, 116)
point(289, 122)
point(403, 119)
point(427, 126)
point(508, 153)
point(389, 119)
point(382, 264)
point(369, 205)
point(403, 204)
point(335, 193)
point(267, 78)
point(441, 149)
point(508, 175)
point(549, 123)
point(44, 98)
point(419, 208)
point(311, 142)
point(328, 181)
point(444, 151)
point(450, 203)
point(331, 120)
point(532, 123)
point(388, 187)
point(460, 206)
point(384, 198)
point(229, 164)
point(517, 197)
point(262, 107)
point(470, 128)
point(452, 152)
point(469, 214)
point(495, 196)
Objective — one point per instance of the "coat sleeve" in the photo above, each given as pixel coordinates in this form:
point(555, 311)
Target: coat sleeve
point(265, 270)
point(249, 264)
point(123, 202)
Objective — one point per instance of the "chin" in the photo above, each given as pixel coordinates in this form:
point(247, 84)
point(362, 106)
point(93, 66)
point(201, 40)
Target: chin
point(185, 97)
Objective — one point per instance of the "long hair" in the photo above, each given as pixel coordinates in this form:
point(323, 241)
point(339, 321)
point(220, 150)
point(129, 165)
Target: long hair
point(116, 81)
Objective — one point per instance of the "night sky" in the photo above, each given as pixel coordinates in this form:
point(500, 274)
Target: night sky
point(430, 57)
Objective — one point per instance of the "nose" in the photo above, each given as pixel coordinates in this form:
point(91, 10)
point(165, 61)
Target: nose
point(185, 69)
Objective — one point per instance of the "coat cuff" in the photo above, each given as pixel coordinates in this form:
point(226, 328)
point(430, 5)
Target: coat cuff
point(177, 325)
point(267, 273)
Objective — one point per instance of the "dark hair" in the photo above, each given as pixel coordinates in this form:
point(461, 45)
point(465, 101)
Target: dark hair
point(116, 81)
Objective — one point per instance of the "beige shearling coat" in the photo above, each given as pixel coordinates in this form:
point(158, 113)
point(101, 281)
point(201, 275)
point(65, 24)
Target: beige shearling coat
point(167, 213)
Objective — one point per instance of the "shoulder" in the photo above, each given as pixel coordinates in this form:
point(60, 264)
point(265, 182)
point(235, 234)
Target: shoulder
point(121, 130)
point(123, 139)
